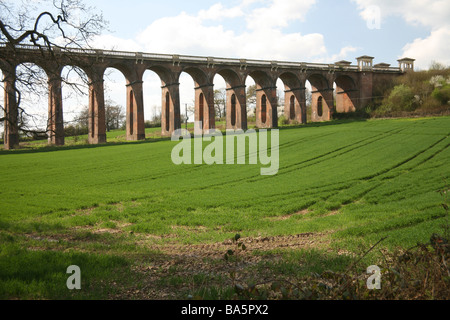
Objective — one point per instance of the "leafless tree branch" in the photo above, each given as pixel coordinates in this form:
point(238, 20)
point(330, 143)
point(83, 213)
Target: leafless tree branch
point(63, 24)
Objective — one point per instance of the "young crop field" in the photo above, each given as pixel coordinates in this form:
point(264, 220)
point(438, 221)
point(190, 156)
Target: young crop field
point(141, 227)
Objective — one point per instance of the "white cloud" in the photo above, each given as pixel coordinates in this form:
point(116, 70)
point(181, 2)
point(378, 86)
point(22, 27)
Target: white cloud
point(279, 14)
point(110, 42)
point(263, 37)
point(185, 34)
point(434, 48)
point(432, 14)
point(217, 11)
point(343, 54)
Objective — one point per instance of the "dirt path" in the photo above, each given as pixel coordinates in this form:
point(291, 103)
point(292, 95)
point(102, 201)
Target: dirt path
point(300, 241)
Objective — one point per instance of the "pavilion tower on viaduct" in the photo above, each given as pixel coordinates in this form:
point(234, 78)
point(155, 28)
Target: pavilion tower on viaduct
point(338, 87)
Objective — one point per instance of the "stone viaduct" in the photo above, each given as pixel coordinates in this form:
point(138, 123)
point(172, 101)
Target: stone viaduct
point(354, 86)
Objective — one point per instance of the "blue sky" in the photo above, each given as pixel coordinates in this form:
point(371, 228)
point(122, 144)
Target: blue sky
point(327, 28)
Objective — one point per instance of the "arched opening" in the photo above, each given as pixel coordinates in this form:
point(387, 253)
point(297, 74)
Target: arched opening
point(292, 100)
point(204, 98)
point(167, 111)
point(280, 97)
point(322, 102)
point(220, 100)
point(233, 110)
point(264, 109)
point(32, 83)
point(266, 100)
point(75, 93)
point(250, 85)
point(116, 96)
point(187, 97)
point(231, 96)
point(308, 102)
point(152, 99)
point(292, 108)
point(346, 94)
point(320, 106)
point(161, 94)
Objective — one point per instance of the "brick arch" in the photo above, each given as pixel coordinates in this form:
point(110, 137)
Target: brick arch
point(318, 82)
point(347, 94)
point(135, 124)
point(266, 99)
point(49, 72)
point(294, 98)
point(204, 98)
point(170, 97)
point(87, 79)
point(236, 104)
point(231, 77)
point(322, 104)
point(262, 79)
point(129, 74)
point(199, 76)
point(166, 76)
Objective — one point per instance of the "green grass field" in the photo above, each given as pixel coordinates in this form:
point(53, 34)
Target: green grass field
point(124, 212)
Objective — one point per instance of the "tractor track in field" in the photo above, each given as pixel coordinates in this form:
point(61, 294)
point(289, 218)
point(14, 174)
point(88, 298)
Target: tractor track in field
point(249, 178)
point(338, 152)
point(293, 167)
point(380, 173)
point(283, 170)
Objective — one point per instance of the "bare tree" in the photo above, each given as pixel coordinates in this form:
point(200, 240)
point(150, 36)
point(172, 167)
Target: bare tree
point(114, 116)
point(251, 95)
point(308, 97)
point(220, 102)
point(48, 26)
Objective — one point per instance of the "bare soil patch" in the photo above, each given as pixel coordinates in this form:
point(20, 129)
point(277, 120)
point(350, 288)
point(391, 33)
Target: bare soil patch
point(179, 262)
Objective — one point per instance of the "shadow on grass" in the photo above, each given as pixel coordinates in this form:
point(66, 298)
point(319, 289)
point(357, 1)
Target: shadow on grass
point(41, 274)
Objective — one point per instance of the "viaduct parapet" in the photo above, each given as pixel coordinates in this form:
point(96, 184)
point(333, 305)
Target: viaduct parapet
point(337, 87)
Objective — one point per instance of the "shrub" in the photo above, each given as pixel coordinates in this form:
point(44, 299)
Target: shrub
point(442, 94)
point(282, 121)
point(75, 130)
point(430, 104)
point(401, 98)
point(152, 124)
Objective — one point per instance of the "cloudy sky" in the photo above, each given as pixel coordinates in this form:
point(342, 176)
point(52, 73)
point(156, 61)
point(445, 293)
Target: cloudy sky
point(291, 30)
